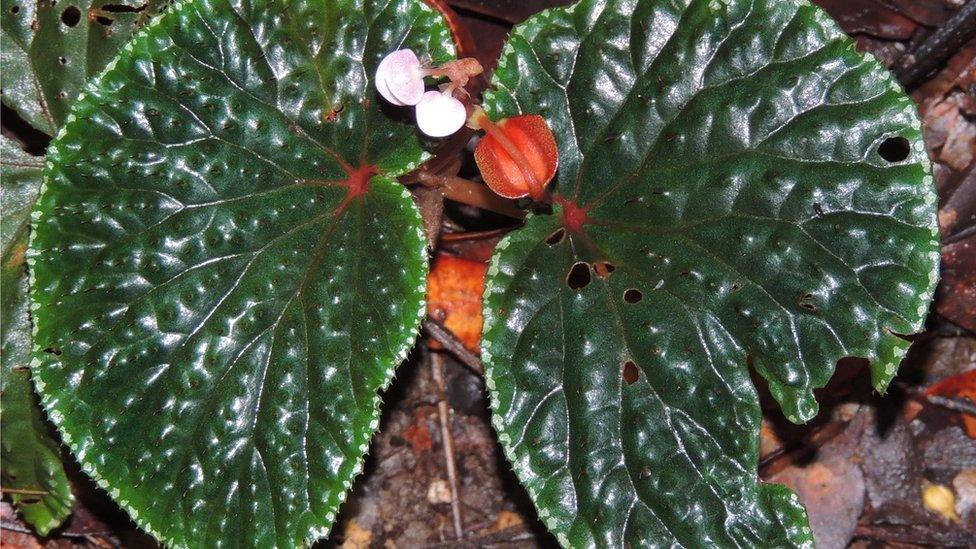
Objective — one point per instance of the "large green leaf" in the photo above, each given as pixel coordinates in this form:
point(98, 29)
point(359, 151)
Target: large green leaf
point(220, 287)
point(50, 48)
point(722, 158)
point(47, 51)
point(32, 473)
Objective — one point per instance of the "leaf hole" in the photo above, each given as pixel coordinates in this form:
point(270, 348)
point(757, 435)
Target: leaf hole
point(630, 372)
point(633, 295)
point(604, 268)
point(894, 149)
point(70, 16)
point(579, 276)
point(15, 9)
point(53, 350)
point(62, 60)
point(556, 237)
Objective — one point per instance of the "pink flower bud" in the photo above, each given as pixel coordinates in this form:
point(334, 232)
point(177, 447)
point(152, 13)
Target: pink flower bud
point(399, 78)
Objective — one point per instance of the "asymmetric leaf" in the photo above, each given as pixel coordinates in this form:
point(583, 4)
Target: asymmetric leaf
point(47, 50)
point(225, 272)
point(721, 200)
point(31, 470)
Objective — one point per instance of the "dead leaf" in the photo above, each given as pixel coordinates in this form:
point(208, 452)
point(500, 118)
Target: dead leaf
point(454, 297)
point(939, 499)
point(355, 536)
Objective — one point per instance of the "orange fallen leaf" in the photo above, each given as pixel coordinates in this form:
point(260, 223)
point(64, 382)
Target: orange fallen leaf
point(418, 435)
point(958, 386)
point(454, 291)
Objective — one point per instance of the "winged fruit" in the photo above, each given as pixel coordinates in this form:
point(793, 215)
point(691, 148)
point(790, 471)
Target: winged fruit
point(517, 156)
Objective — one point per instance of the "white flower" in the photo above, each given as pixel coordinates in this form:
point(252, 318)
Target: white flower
point(399, 78)
point(439, 114)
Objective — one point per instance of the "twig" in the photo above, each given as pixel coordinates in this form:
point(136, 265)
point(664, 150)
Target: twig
point(961, 405)
point(452, 344)
point(955, 404)
point(479, 195)
point(817, 436)
point(24, 492)
point(916, 64)
point(437, 368)
point(509, 535)
point(473, 235)
point(916, 534)
point(105, 538)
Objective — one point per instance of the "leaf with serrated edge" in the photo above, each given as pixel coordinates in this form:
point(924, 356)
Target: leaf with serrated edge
point(722, 157)
point(30, 464)
point(47, 51)
point(220, 287)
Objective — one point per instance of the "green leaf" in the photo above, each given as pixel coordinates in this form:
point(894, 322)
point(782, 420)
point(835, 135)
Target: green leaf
point(21, 181)
point(50, 48)
point(219, 286)
point(47, 50)
point(722, 158)
point(31, 470)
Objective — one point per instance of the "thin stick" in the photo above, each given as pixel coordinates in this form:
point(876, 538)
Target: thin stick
point(916, 64)
point(479, 195)
point(446, 337)
point(437, 368)
point(962, 404)
point(473, 235)
point(24, 492)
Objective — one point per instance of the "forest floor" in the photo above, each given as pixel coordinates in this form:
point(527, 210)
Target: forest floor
point(893, 470)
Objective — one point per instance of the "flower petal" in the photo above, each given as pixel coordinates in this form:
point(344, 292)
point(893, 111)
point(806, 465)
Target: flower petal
point(399, 78)
point(440, 115)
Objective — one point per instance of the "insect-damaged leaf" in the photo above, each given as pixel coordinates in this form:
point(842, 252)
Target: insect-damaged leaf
point(735, 182)
point(31, 470)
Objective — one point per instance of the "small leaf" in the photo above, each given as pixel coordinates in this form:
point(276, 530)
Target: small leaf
point(30, 464)
point(225, 271)
point(20, 184)
point(720, 199)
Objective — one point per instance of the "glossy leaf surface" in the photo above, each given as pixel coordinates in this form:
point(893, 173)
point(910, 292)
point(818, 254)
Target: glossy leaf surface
point(225, 272)
point(31, 470)
point(47, 50)
point(720, 200)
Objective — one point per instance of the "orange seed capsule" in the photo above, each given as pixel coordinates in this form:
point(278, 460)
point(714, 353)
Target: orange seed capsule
point(517, 156)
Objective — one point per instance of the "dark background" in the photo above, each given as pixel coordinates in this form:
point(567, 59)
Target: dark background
point(863, 468)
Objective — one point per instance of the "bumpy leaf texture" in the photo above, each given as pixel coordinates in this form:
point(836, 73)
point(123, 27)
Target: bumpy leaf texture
point(31, 473)
point(721, 199)
point(47, 51)
point(224, 271)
